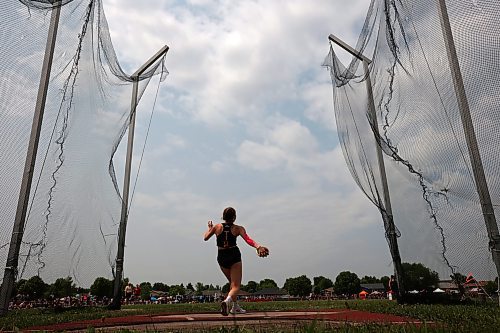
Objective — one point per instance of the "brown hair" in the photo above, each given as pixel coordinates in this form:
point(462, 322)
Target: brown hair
point(229, 215)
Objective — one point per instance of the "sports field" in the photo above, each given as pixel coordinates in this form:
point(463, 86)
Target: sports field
point(297, 316)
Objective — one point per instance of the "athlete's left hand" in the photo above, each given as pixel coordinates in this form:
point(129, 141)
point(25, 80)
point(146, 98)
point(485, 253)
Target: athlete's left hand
point(262, 251)
point(210, 225)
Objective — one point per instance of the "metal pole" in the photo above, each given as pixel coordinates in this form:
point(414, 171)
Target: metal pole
point(10, 272)
point(392, 237)
point(348, 48)
point(150, 61)
point(117, 286)
point(124, 213)
point(470, 137)
point(393, 241)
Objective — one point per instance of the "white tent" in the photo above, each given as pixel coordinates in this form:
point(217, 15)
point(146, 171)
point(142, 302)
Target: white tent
point(414, 292)
point(438, 291)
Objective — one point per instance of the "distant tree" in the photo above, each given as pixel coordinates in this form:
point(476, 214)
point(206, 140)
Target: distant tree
point(385, 281)
point(34, 288)
point(418, 277)
point(189, 287)
point(491, 287)
point(347, 283)
point(18, 285)
point(125, 281)
point(369, 279)
point(298, 286)
point(321, 283)
point(199, 288)
point(63, 287)
point(102, 287)
point(81, 290)
point(160, 286)
point(267, 283)
point(316, 279)
point(458, 278)
point(146, 289)
point(226, 288)
point(177, 290)
point(251, 287)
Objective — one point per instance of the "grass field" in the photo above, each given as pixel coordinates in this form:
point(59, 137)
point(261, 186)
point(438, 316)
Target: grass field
point(445, 318)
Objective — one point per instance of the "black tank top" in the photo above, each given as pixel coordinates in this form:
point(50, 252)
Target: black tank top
point(226, 239)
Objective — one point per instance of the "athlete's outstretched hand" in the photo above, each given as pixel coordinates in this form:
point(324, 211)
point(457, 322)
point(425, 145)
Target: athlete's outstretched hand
point(262, 251)
point(210, 232)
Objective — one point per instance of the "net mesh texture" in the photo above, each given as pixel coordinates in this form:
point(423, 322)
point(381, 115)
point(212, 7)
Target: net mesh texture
point(417, 125)
point(74, 208)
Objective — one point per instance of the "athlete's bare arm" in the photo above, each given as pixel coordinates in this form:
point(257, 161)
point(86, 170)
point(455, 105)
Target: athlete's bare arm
point(243, 233)
point(262, 251)
point(212, 229)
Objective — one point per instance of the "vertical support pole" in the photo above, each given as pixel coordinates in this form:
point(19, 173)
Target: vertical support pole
point(470, 138)
point(11, 265)
point(392, 237)
point(117, 288)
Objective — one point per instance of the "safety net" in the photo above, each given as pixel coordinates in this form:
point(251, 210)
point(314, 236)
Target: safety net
point(413, 115)
point(74, 207)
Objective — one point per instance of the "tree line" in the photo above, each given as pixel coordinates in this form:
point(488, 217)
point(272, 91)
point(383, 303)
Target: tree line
point(416, 277)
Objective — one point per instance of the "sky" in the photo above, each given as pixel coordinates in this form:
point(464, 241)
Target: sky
point(244, 119)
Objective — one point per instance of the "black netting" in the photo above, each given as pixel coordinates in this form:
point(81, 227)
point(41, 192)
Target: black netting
point(418, 126)
point(44, 4)
point(74, 208)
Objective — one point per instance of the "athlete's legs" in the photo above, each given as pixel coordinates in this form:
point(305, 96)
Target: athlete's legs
point(236, 272)
point(233, 275)
point(227, 273)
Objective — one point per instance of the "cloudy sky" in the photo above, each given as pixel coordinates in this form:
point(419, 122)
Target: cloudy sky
point(245, 119)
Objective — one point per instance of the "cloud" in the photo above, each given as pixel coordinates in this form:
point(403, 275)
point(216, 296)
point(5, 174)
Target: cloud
point(233, 66)
point(319, 108)
point(290, 146)
point(260, 156)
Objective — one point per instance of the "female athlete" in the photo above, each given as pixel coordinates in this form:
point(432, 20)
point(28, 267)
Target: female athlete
point(229, 256)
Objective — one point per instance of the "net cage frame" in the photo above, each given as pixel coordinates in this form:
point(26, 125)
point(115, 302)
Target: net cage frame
point(390, 23)
point(93, 54)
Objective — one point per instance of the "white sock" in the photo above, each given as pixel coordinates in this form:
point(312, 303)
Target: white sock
point(228, 299)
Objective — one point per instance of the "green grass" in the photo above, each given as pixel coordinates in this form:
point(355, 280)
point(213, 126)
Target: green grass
point(449, 318)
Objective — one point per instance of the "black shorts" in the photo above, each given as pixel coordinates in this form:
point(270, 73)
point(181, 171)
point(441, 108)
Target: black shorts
point(228, 257)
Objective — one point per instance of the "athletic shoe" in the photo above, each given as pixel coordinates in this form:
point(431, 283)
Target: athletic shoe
point(237, 309)
point(224, 307)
